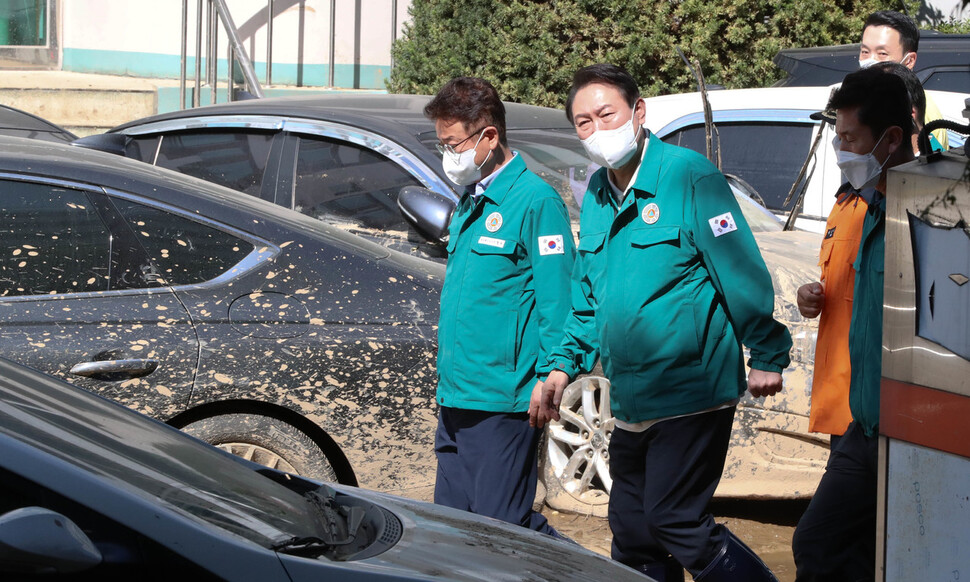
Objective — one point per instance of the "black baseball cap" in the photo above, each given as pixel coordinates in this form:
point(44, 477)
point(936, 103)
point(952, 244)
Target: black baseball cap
point(826, 115)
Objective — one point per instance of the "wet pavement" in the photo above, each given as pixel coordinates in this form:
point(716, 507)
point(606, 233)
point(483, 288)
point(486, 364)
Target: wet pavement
point(765, 526)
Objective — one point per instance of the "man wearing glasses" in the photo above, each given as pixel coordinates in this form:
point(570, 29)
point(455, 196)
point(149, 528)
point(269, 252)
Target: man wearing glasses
point(503, 306)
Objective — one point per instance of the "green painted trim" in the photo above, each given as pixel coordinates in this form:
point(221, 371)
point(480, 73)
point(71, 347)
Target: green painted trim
point(161, 66)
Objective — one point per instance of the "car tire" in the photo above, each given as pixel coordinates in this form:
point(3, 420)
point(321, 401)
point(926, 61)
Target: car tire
point(267, 441)
point(575, 452)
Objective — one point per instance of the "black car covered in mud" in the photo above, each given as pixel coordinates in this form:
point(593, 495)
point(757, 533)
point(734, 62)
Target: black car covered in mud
point(92, 491)
point(255, 328)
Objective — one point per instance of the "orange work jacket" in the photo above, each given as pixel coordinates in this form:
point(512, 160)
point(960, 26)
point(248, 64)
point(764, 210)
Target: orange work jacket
point(830, 385)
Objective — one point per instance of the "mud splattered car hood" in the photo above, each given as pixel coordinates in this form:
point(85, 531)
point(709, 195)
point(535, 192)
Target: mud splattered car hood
point(108, 469)
point(444, 543)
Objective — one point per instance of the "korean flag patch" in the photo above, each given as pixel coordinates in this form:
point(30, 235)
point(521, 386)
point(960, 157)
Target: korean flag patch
point(723, 224)
point(551, 245)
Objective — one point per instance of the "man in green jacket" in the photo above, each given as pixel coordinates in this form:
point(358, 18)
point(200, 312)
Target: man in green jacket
point(668, 283)
point(503, 305)
point(836, 537)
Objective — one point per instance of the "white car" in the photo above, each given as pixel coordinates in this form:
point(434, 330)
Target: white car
point(766, 135)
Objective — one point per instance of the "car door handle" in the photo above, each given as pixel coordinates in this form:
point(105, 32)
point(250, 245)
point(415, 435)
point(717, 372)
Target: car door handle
point(112, 370)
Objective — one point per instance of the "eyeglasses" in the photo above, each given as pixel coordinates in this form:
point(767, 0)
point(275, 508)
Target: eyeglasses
point(450, 149)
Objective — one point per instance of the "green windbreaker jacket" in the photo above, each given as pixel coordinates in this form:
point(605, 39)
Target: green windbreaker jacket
point(865, 330)
point(665, 289)
point(506, 292)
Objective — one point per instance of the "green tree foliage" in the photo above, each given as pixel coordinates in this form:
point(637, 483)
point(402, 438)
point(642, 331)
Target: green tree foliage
point(952, 26)
point(529, 49)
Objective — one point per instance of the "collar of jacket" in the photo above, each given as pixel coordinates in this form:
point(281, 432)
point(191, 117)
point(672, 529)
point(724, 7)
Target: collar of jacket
point(846, 192)
point(502, 184)
point(649, 175)
point(647, 178)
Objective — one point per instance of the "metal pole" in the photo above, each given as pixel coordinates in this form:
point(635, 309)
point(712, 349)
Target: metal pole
point(231, 59)
point(333, 40)
point(196, 94)
point(269, 42)
point(213, 53)
point(182, 65)
point(244, 63)
point(393, 28)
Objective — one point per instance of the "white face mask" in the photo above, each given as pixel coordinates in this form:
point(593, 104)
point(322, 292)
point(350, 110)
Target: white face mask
point(861, 170)
point(461, 168)
point(612, 147)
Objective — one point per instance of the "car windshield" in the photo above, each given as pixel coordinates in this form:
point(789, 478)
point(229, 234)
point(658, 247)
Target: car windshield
point(759, 218)
point(144, 458)
point(557, 156)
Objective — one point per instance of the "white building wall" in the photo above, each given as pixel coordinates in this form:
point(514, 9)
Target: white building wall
point(143, 38)
point(934, 11)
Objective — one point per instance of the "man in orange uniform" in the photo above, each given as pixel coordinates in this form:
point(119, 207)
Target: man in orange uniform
point(832, 298)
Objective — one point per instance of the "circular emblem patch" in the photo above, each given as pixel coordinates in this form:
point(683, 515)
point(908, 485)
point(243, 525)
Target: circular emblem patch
point(651, 213)
point(493, 222)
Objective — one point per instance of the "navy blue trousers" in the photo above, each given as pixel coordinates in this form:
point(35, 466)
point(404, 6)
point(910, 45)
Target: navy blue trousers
point(663, 480)
point(487, 465)
point(836, 537)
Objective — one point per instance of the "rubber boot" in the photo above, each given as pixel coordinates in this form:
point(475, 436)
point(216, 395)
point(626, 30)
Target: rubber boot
point(736, 562)
point(668, 570)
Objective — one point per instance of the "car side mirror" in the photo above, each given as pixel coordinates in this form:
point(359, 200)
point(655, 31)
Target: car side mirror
point(35, 540)
point(428, 212)
point(112, 143)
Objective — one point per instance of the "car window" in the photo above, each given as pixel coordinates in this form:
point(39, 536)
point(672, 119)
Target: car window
point(142, 148)
point(767, 156)
point(557, 156)
point(184, 251)
point(235, 159)
point(956, 81)
point(52, 240)
point(758, 218)
point(338, 180)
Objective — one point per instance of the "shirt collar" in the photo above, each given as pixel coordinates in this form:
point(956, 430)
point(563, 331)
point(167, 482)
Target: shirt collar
point(619, 195)
point(481, 186)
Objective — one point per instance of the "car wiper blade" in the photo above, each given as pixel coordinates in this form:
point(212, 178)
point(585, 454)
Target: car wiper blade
point(346, 527)
point(340, 522)
point(304, 545)
point(337, 525)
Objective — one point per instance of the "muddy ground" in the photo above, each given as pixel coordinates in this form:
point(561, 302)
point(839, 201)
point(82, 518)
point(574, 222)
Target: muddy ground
point(766, 526)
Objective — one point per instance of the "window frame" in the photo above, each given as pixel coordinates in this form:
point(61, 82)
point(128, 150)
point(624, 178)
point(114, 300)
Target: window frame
point(298, 127)
point(101, 198)
point(287, 191)
point(756, 117)
point(263, 250)
point(46, 57)
point(926, 74)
